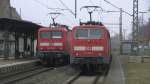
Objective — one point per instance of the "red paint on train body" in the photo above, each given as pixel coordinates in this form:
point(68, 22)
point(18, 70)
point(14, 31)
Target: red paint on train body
point(90, 44)
point(56, 41)
point(52, 43)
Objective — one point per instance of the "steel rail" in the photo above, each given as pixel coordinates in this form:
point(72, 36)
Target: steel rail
point(23, 75)
point(101, 76)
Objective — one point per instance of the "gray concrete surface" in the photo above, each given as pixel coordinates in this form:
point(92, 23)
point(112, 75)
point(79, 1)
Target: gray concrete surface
point(13, 66)
point(85, 80)
point(12, 61)
point(116, 74)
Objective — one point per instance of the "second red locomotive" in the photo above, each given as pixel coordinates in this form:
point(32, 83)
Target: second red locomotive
point(52, 45)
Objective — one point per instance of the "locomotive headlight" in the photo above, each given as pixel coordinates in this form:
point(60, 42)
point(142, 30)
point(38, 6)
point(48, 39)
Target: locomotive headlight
point(58, 44)
point(97, 48)
point(41, 48)
point(44, 44)
point(79, 48)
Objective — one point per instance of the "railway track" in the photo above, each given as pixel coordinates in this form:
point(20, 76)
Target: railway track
point(87, 79)
point(12, 78)
point(55, 76)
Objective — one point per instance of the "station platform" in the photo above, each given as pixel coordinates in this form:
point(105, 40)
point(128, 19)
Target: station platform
point(14, 61)
point(13, 65)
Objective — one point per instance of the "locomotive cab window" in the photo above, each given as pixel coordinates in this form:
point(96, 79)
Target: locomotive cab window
point(88, 34)
point(95, 34)
point(82, 34)
point(45, 35)
point(56, 35)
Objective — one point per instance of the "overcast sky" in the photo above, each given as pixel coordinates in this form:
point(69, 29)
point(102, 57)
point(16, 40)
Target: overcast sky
point(32, 10)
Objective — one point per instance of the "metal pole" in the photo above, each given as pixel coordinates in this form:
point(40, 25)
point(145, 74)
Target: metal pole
point(53, 21)
point(32, 45)
point(16, 45)
point(120, 29)
point(143, 17)
point(6, 50)
point(143, 39)
point(90, 16)
point(75, 8)
point(124, 34)
point(25, 44)
point(135, 29)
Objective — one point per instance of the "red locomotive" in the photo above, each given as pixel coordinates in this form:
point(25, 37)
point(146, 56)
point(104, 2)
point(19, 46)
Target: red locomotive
point(90, 45)
point(52, 44)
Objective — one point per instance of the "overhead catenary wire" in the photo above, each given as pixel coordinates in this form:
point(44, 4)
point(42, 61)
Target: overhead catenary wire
point(66, 7)
point(42, 4)
point(91, 2)
point(46, 6)
point(94, 4)
point(56, 9)
point(118, 7)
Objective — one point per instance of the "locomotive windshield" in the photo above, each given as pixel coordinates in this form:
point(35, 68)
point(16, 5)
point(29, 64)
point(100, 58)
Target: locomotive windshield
point(88, 34)
point(45, 35)
point(50, 35)
point(56, 35)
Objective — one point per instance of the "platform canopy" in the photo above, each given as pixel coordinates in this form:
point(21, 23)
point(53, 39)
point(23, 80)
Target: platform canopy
point(19, 26)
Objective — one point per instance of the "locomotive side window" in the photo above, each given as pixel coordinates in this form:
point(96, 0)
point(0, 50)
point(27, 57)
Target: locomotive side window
point(82, 34)
point(88, 34)
point(56, 35)
point(45, 35)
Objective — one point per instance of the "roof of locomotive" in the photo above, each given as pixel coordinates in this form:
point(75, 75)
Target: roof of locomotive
point(53, 28)
point(91, 25)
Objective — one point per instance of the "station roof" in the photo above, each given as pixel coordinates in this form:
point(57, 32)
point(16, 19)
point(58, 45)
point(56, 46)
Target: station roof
point(12, 25)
